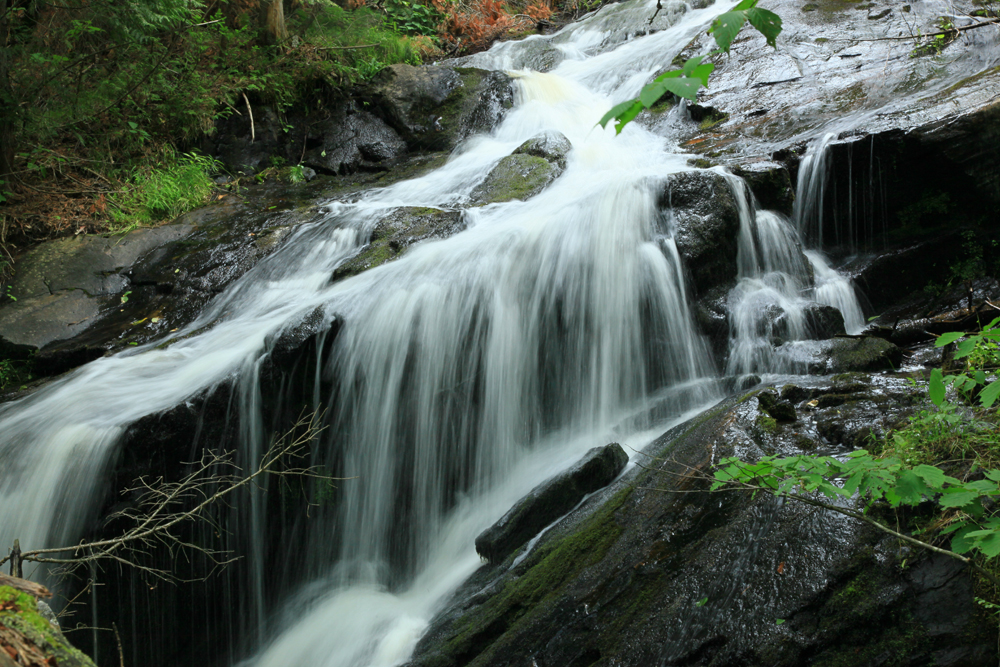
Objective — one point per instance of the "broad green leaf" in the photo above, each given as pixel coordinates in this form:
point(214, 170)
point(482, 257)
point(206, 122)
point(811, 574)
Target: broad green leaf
point(726, 27)
point(936, 389)
point(672, 74)
point(958, 498)
point(767, 23)
point(965, 348)
point(616, 112)
point(983, 486)
point(961, 544)
point(993, 474)
point(744, 5)
point(702, 72)
point(934, 477)
point(989, 395)
point(949, 337)
point(911, 488)
point(690, 64)
point(992, 325)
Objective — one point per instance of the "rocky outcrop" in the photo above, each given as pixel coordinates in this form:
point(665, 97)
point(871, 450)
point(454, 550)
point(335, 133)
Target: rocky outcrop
point(433, 107)
point(550, 501)
point(657, 570)
point(701, 214)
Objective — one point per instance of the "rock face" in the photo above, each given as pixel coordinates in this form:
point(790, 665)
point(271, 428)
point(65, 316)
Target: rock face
point(434, 107)
point(656, 570)
point(701, 212)
point(551, 500)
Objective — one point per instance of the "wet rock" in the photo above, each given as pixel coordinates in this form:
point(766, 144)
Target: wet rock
point(551, 146)
point(551, 500)
point(435, 107)
point(780, 410)
point(864, 354)
point(701, 213)
point(398, 231)
point(517, 176)
point(821, 322)
point(770, 184)
point(644, 576)
point(353, 140)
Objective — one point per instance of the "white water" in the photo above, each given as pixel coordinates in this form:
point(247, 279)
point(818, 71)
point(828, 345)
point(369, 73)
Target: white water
point(467, 372)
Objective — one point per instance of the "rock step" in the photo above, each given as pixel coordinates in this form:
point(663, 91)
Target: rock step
point(551, 500)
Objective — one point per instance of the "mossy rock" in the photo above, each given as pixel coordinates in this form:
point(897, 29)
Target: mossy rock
point(31, 635)
point(398, 231)
point(517, 176)
point(864, 354)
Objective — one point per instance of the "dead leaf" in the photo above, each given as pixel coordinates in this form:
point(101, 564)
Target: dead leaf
point(781, 567)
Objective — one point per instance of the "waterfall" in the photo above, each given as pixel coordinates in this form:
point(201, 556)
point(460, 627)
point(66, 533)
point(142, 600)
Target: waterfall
point(463, 373)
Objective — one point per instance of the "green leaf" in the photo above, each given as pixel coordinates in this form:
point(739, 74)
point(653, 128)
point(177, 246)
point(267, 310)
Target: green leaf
point(989, 395)
point(911, 488)
point(767, 23)
point(934, 477)
point(993, 474)
point(950, 337)
point(701, 603)
point(936, 388)
point(726, 27)
point(961, 544)
point(958, 498)
point(779, 621)
point(686, 87)
point(744, 5)
point(966, 347)
point(623, 114)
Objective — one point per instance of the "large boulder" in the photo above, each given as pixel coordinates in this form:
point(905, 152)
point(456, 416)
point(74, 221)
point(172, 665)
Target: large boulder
point(435, 107)
point(28, 638)
point(551, 500)
point(657, 570)
point(701, 213)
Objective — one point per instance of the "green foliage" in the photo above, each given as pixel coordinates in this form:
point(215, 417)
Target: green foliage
point(15, 372)
point(886, 480)
point(982, 354)
point(687, 81)
point(412, 18)
point(165, 192)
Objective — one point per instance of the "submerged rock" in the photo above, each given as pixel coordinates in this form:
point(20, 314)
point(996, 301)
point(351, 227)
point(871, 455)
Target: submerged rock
point(551, 500)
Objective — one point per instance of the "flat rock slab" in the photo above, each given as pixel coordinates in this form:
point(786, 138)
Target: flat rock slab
point(551, 500)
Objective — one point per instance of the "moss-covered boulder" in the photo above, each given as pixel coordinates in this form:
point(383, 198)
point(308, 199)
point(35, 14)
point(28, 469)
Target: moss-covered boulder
point(28, 639)
point(701, 214)
point(398, 231)
point(435, 107)
point(525, 172)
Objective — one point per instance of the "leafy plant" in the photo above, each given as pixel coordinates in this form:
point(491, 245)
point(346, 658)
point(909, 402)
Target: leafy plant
point(687, 81)
point(166, 192)
point(982, 354)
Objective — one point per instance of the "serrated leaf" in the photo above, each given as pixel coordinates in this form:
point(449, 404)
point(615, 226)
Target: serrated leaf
point(934, 477)
point(946, 338)
point(744, 5)
point(958, 498)
point(961, 544)
point(702, 72)
point(982, 485)
point(993, 474)
point(911, 488)
point(965, 348)
point(726, 27)
point(988, 396)
point(766, 22)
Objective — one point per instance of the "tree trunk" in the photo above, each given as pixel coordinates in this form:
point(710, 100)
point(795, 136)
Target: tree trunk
point(7, 105)
point(274, 20)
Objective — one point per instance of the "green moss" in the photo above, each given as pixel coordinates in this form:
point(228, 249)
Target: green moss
point(20, 614)
point(766, 423)
point(555, 565)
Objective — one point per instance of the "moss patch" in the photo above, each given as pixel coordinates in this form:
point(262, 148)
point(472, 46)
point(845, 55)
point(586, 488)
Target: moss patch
point(22, 624)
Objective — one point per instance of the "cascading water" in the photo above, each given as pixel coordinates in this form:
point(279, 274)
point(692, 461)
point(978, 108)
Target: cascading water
point(464, 373)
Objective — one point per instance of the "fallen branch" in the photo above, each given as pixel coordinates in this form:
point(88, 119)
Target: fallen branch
point(250, 111)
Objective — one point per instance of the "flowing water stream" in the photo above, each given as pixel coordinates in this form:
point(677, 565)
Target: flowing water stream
point(465, 373)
